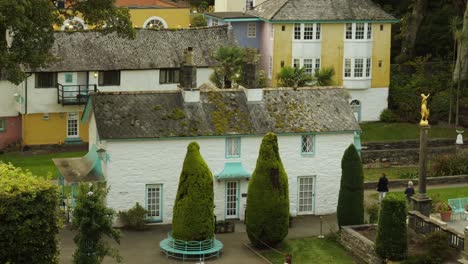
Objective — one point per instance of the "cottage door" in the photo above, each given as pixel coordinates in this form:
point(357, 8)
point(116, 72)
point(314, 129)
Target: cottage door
point(154, 202)
point(232, 199)
point(306, 195)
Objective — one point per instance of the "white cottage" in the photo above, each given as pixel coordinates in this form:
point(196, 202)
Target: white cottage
point(144, 136)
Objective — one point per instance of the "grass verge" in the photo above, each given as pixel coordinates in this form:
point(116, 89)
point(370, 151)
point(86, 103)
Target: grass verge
point(393, 173)
point(379, 131)
point(442, 194)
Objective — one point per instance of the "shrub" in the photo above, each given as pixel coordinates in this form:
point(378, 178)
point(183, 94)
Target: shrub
point(93, 220)
point(198, 20)
point(391, 242)
point(450, 164)
point(134, 218)
point(437, 246)
point(373, 213)
point(350, 210)
point(324, 76)
point(193, 209)
point(29, 217)
point(293, 77)
point(388, 116)
point(268, 200)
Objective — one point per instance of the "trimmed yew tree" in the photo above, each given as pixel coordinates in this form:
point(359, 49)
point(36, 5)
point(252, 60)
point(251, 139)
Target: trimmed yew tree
point(391, 242)
point(29, 217)
point(267, 215)
point(193, 210)
point(350, 209)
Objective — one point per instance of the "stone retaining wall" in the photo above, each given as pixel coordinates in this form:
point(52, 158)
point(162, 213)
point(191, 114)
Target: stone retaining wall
point(399, 157)
point(359, 245)
point(406, 144)
point(430, 181)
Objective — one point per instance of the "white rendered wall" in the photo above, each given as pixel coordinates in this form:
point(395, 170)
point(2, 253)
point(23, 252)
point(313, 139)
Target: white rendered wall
point(233, 5)
point(133, 164)
point(306, 49)
point(373, 102)
point(8, 105)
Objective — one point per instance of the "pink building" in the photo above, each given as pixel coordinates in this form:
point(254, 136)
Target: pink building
point(10, 130)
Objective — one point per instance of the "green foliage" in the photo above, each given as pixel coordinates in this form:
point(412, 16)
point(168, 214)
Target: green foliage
point(388, 116)
point(193, 210)
point(93, 220)
point(293, 77)
point(450, 164)
point(231, 59)
point(29, 217)
point(350, 210)
point(134, 218)
point(324, 76)
point(442, 207)
point(391, 242)
point(267, 213)
point(198, 20)
point(373, 213)
point(437, 247)
point(31, 22)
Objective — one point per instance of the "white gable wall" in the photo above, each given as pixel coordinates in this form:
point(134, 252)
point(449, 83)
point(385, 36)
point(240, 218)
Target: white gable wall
point(8, 105)
point(133, 164)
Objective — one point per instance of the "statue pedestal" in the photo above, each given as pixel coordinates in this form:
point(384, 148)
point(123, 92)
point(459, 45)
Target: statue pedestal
point(422, 203)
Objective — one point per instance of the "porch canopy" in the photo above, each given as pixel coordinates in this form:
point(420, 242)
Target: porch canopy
point(233, 170)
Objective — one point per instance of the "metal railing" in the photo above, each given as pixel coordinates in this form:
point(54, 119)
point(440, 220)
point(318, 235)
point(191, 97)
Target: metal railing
point(74, 94)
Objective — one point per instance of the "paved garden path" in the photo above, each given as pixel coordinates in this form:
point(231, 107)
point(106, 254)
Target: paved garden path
point(143, 247)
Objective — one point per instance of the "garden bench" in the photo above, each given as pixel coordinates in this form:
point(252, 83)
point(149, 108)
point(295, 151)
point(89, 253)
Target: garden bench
point(191, 249)
point(458, 206)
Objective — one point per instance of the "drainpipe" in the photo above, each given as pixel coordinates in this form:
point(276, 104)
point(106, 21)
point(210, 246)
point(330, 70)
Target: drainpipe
point(25, 106)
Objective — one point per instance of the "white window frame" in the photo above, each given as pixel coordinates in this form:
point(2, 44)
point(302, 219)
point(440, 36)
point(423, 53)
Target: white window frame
point(158, 201)
point(233, 147)
point(310, 138)
point(306, 194)
point(367, 32)
point(315, 62)
point(232, 213)
point(247, 4)
point(75, 19)
point(316, 32)
point(272, 32)
point(73, 117)
point(214, 22)
point(251, 30)
point(270, 67)
point(145, 24)
point(366, 68)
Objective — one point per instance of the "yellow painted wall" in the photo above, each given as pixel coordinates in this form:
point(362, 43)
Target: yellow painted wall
point(174, 17)
point(332, 49)
point(282, 48)
point(53, 131)
point(381, 51)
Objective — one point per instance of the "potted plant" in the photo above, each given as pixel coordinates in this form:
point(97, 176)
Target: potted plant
point(445, 211)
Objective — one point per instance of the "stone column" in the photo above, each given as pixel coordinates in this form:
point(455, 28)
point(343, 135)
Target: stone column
point(421, 202)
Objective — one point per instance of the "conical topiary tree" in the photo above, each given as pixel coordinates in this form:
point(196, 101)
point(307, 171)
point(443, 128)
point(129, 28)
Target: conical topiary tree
point(267, 216)
point(391, 242)
point(350, 209)
point(193, 210)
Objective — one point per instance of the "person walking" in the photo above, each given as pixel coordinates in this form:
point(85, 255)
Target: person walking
point(409, 191)
point(382, 187)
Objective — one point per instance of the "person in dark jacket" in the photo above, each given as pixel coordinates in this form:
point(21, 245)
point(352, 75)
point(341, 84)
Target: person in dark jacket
point(382, 187)
point(409, 191)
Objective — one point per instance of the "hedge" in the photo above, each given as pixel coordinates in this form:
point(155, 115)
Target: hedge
point(29, 217)
point(350, 210)
point(193, 210)
point(391, 242)
point(267, 212)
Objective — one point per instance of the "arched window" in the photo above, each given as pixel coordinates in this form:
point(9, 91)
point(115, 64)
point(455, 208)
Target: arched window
point(356, 106)
point(155, 23)
point(74, 24)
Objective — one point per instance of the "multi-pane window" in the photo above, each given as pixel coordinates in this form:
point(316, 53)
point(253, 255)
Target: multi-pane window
point(109, 78)
point(233, 147)
point(73, 25)
point(307, 144)
point(72, 125)
point(307, 31)
point(169, 76)
point(296, 63)
point(347, 68)
point(153, 201)
point(155, 24)
point(214, 22)
point(317, 64)
point(306, 194)
point(231, 199)
point(249, 4)
point(270, 67)
point(358, 31)
point(368, 67)
point(297, 31)
point(251, 30)
point(310, 64)
point(46, 79)
point(358, 67)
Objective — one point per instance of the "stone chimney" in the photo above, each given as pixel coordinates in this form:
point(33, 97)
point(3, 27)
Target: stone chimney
point(188, 71)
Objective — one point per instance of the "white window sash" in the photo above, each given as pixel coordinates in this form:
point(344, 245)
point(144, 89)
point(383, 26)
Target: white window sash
point(73, 125)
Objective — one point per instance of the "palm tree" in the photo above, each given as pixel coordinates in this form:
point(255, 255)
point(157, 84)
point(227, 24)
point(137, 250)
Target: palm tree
point(324, 76)
point(293, 77)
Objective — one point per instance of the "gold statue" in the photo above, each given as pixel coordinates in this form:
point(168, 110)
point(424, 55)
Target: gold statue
point(424, 111)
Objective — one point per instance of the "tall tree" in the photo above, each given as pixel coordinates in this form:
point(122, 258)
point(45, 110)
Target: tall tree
point(350, 210)
point(411, 23)
point(267, 213)
point(193, 210)
point(27, 29)
point(460, 74)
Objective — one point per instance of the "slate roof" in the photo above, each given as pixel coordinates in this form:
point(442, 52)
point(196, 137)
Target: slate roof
point(319, 10)
point(151, 49)
point(221, 112)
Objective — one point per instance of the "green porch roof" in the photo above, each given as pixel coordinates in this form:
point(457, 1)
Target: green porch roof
point(81, 169)
point(233, 170)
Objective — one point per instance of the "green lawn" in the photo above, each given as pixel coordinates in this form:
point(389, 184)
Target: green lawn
point(40, 165)
point(393, 173)
point(379, 131)
point(440, 194)
point(311, 250)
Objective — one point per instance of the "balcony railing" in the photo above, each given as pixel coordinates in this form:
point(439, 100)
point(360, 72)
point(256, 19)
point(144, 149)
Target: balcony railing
point(74, 94)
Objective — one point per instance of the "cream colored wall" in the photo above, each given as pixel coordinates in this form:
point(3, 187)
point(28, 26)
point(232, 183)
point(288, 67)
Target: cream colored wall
point(332, 49)
point(282, 48)
point(381, 52)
